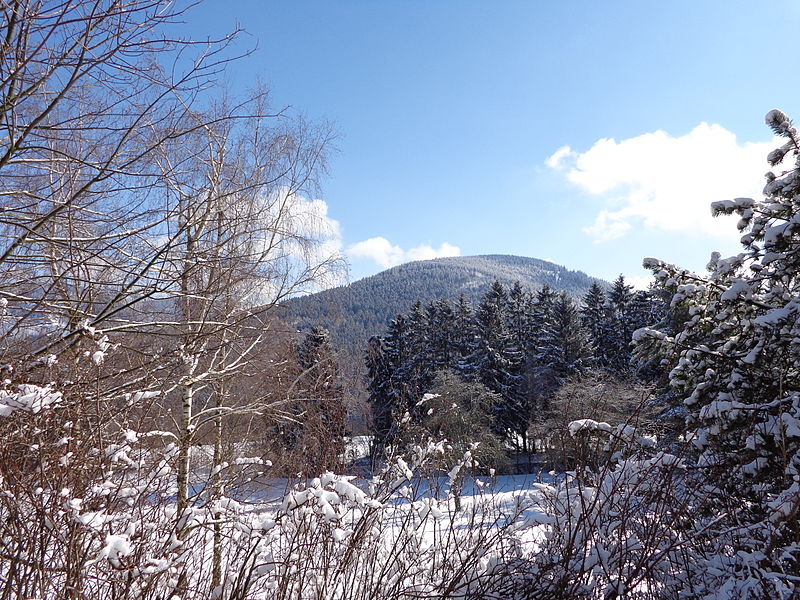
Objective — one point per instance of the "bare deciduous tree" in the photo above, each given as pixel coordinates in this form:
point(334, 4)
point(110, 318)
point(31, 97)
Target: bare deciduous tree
point(146, 225)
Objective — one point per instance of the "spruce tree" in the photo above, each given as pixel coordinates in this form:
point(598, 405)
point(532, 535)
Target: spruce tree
point(620, 301)
point(650, 308)
point(499, 360)
point(400, 372)
point(541, 315)
point(596, 316)
point(442, 351)
point(519, 323)
point(418, 369)
point(466, 340)
point(565, 351)
point(520, 308)
point(381, 397)
point(397, 364)
point(541, 381)
point(315, 349)
point(316, 435)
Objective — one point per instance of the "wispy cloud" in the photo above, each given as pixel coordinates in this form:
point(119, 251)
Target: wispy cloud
point(663, 182)
point(303, 242)
point(385, 254)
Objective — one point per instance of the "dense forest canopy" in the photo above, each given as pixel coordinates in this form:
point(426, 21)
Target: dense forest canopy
point(519, 345)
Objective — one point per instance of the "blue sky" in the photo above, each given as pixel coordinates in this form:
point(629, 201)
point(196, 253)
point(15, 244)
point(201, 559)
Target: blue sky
point(589, 133)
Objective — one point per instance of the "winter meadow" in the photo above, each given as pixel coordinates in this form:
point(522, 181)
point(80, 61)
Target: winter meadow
point(192, 406)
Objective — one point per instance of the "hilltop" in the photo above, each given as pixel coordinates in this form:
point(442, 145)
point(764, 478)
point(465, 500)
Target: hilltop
point(356, 311)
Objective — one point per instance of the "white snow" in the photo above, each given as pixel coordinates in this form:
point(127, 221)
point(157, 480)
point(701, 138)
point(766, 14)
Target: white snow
point(116, 547)
point(28, 398)
point(588, 425)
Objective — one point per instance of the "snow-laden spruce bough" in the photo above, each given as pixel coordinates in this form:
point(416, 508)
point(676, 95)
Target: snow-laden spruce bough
point(711, 515)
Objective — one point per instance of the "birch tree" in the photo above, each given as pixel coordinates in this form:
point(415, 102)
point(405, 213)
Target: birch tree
point(245, 239)
point(147, 226)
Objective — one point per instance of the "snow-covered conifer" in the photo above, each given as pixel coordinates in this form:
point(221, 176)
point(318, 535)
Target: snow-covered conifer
point(441, 334)
point(620, 301)
point(595, 317)
point(565, 349)
point(735, 362)
point(465, 339)
point(315, 434)
point(499, 360)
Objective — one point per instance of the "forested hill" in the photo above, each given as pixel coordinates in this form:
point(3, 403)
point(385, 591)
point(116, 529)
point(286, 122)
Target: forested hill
point(364, 308)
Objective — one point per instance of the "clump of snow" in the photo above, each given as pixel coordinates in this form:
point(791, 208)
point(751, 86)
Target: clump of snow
point(426, 398)
point(645, 333)
point(115, 548)
point(87, 329)
point(103, 346)
point(28, 398)
point(664, 459)
point(778, 121)
point(587, 425)
point(250, 460)
point(349, 491)
point(726, 207)
point(139, 396)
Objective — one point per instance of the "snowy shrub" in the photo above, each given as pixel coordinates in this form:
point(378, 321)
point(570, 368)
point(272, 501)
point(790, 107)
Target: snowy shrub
point(101, 521)
point(596, 398)
point(333, 540)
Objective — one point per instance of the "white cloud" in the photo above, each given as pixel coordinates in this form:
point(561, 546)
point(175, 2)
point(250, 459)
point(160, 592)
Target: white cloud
point(313, 219)
point(302, 245)
point(308, 233)
point(426, 252)
point(385, 254)
point(639, 282)
point(665, 182)
point(557, 158)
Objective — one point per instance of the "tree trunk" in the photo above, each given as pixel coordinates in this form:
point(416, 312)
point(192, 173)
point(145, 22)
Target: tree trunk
point(184, 456)
point(216, 493)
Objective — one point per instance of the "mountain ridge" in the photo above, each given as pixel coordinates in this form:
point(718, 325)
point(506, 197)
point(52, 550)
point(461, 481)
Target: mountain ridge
point(356, 311)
